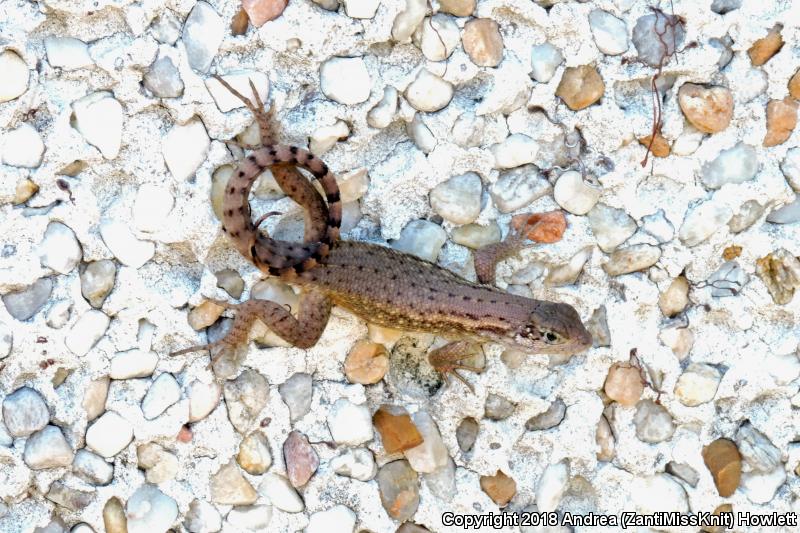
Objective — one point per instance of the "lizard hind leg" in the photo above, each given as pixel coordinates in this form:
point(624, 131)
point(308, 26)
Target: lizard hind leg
point(451, 357)
point(264, 118)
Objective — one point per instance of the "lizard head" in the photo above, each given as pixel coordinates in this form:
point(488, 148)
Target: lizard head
point(553, 328)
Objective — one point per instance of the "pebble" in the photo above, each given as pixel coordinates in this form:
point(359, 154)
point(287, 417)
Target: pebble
point(438, 36)
point(24, 191)
point(548, 419)
point(254, 455)
point(349, 424)
point(357, 463)
point(790, 166)
point(500, 487)
point(92, 468)
point(568, 273)
point(760, 487)
point(94, 398)
point(709, 109)
point(398, 484)
point(97, 280)
point(604, 437)
point(468, 130)
point(262, 11)
point(46, 448)
point(656, 37)
point(749, 212)
point(657, 226)
point(658, 493)
point(25, 303)
point(250, 517)
point(204, 315)
point(483, 42)
point(702, 221)
point(330, 5)
point(163, 79)
point(345, 80)
point(231, 282)
point(724, 46)
point(163, 393)
point(545, 59)
point(518, 187)
point(610, 226)
point(697, 385)
point(725, 6)
point(59, 249)
point(229, 487)
point(422, 136)
point(658, 147)
point(133, 364)
point(467, 433)
point(574, 194)
point(167, 27)
point(763, 49)
point(653, 422)
point(552, 486)
point(366, 363)
point(428, 92)
point(728, 280)
point(86, 332)
point(688, 141)
point(326, 137)
point(337, 519)
point(476, 236)
point(421, 238)
point(624, 384)
point(245, 397)
point(148, 510)
point(22, 147)
point(185, 146)
point(6, 340)
point(226, 100)
point(68, 497)
point(780, 272)
point(281, 494)
point(203, 32)
point(684, 472)
point(781, 121)
point(202, 517)
point(431, 455)
point(459, 8)
point(151, 207)
point(121, 241)
point(675, 299)
point(598, 327)
point(580, 87)
point(15, 76)
point(631, 259)
point(98, 117)
point(296, 394)
point(794, 85)
point(784, 368)
point(610, 33)
point(515, 150)
point(109, 435)
point(203, 399)
point(301, 459)
point(382, 114)
point(409, 20)
point(114, 518)
point(497, 408)
point(398, 432)
point(442, 483)
point(756, 449)
point(458, 199)
point(723, 460)
point(547, 227)
point(160, 465)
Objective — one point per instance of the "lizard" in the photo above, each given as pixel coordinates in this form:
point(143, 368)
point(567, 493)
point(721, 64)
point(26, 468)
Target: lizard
point(377, 283)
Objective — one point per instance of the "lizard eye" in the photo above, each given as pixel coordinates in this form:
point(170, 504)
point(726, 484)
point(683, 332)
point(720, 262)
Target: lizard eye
point(551, 338)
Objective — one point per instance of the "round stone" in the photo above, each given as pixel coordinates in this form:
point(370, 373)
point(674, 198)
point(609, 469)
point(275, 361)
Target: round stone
point(22, 147)
point(15, 76)
point(98, 117)
point(47, 448)
point(483, 42)
point(574, 194)
point(580, 87)
point(709, 109)
point(610, 33)
point(164, 392)
point(109, 435)
point(698, 384)
point(428, 92)
point(149, 510)
point(24, 412)
point(545, 59)
point(60, 249)
point(345, 80)
point(458, 199)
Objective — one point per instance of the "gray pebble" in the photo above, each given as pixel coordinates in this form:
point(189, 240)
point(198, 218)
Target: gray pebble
point(24, 412)
point(749, 212)
point(497, 407)
point(728, 280)
point(653, 422)
point(610, 226)
point(467, 433)
point(657, 226)
point(245, 397)
point(517, 188)
point(652, 32)
point(734, 165)
point(786, 214)
point(231, 282)
point(296, 394)
point(97, 280)
point(25, 303)
point(163, 79)
point(598, 327)
point(725, 6)
point(202, 34)
point(549, 418)
point(756, 449)
point(684, 472)
point(47, 448)
point(458, 199)
point(545, 59)
point(92, 468)
point(150, 510)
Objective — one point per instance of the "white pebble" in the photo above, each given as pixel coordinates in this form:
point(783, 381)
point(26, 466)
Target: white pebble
point(610, 33)
point(610, 226)
point(109, 435)
point(791, 168)
point(786, 214)
point(702, 221)
point(784, 368)
point(382, 114)
point(124, 245)
point(203, 517)
point(163, 393)
point(203, 32)
point(59, 249)
point(421, 135)
point(6, 340)
point(476, 236)
point(95, 396)
point(689, 141)
point(574, 194)
point(14, 81)
point(22, 147)
point(325, 137)
point(133, 364)
point(250, 517)
point(86, 331)
point(24, 412)
point(757, 450)
point(58, 314)
point(349, 424)
point(203, 398)
point(653, 494)
point(337, 519)
point(407, 21)
point(152, 206)
point(568, 273)
point(458, 199)
point(240, 81)
point(432, 454)
point(357, 463)
point(760, 487)
point(517, 188)
point(438, 36)
point(92, 468)
point(47, 448)
point(734, 165)
point(98, 117)
point(421, 238)
point(545, 59)
point(149, 510)
point(67, 53)
point(281, 493)
point(428, 92)
point(514, 151)
point(185, 147)
point(345, 80)
point(657, 225)
point(361, 9)
point(354, 184)
point(697, 385)
point(551, 487)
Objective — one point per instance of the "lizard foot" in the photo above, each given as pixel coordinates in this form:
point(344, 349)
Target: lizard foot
point(449, 359)
point(256, 106)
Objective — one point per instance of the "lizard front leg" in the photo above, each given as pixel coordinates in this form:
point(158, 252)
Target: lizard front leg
point(449, 359)
point(487, 257)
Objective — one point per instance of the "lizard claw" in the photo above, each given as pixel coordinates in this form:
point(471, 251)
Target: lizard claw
point(449, 359)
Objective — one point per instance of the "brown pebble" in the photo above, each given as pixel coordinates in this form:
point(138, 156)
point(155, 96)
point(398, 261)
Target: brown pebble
point(725, 464)
point(239, 22)
point(261, 11)
point(724, 508)
point(499, 487)
point(709, 109)
point(204, 315)
point(660, 146)
point(459, 8)
point(675, 299)
point(624, 384)
point(398, 432)
point(184, 435)
point(794, 85)
point(24, 191)
point(731, 252)
point(547, 227)
point(301, 459)
point(766, 47)
point(781, 121)
point(580, 87)
point(366, 363)
point(483, 42)
point(398, 485)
